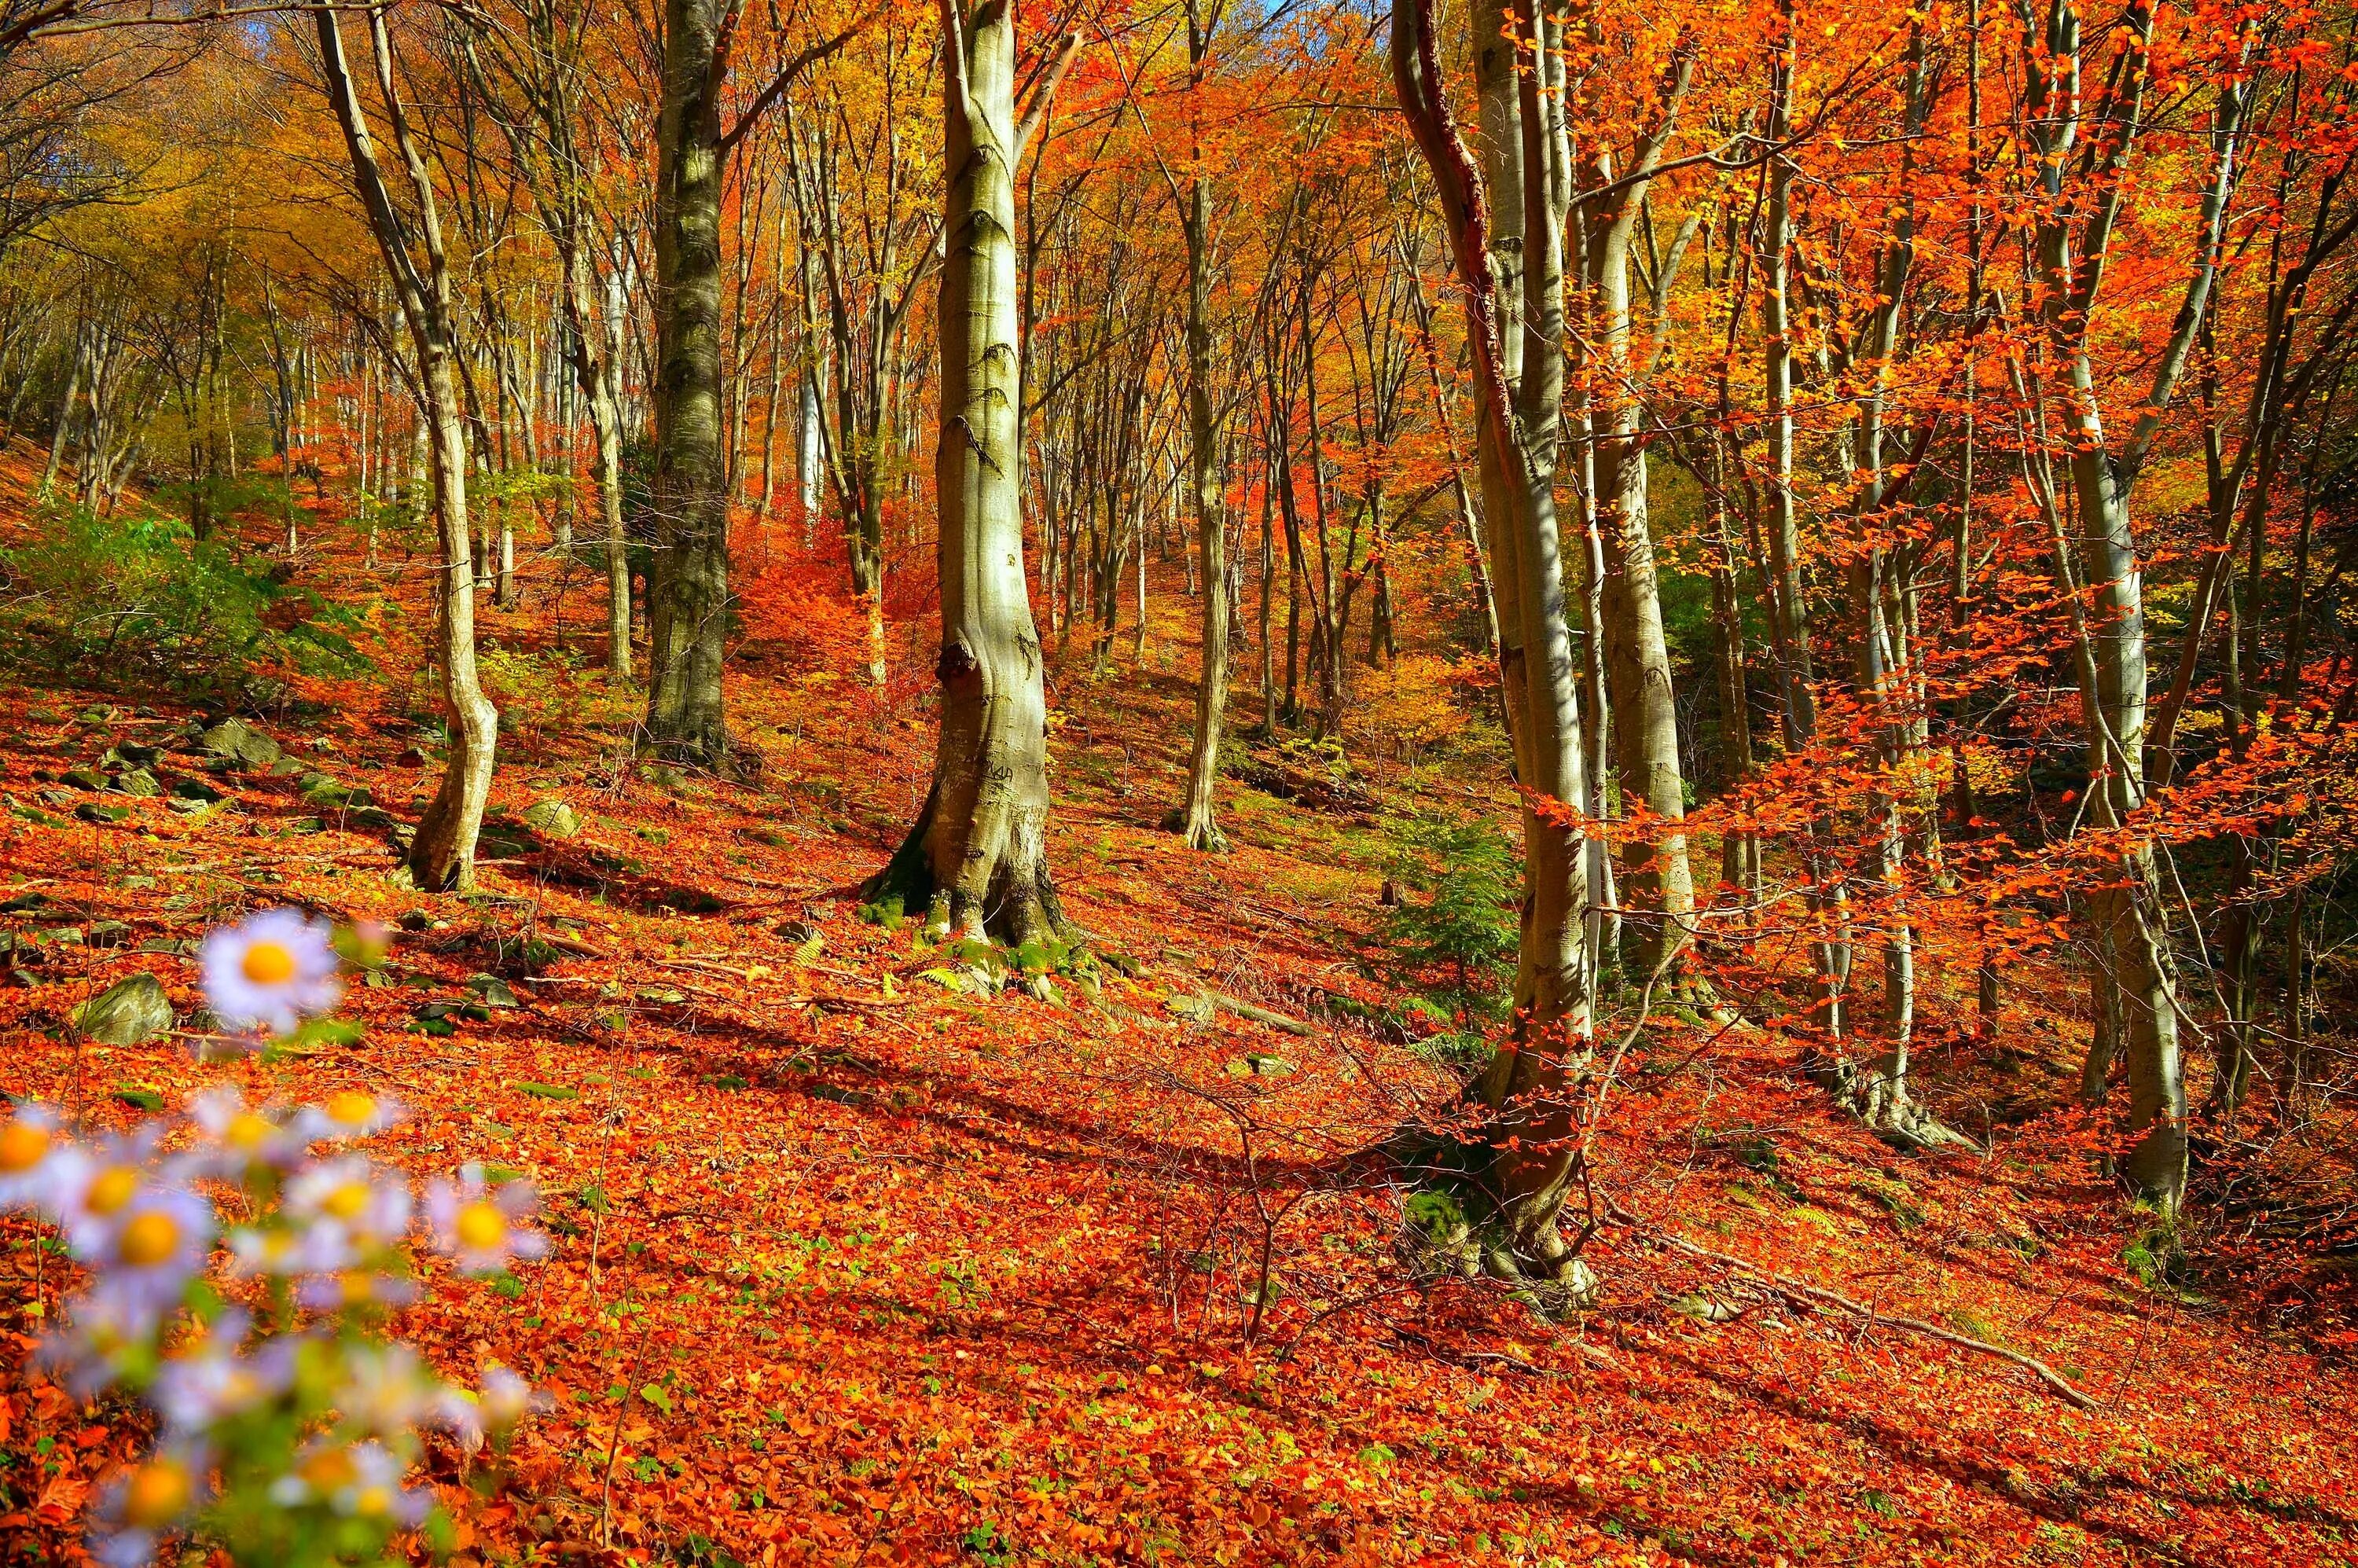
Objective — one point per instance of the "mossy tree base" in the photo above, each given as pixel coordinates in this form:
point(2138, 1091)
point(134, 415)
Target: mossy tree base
point(1018, 907)
point(1455, 1223)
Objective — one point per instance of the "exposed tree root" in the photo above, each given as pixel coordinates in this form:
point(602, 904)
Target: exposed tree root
point(1454, 1222)
point(1874, 1091)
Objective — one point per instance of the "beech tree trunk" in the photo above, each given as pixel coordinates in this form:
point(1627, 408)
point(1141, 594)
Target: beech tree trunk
point(687, 598)
point(442, 853)
point(1199, 825)
point(976, 860)
point(1657, 881)
point(1531, 1154)
point(1787, 597)
point(2128, 914)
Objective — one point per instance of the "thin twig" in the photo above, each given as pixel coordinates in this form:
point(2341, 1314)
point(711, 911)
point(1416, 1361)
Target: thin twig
point(1786, 1285)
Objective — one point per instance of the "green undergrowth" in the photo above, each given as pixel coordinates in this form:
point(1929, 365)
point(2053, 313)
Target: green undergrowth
point(1449, 932)
point(137, 599)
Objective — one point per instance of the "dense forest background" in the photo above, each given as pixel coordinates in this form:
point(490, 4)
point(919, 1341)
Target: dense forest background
point(1537, 782)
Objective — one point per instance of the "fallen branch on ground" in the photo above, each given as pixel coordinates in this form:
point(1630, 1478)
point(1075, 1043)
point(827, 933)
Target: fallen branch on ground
point(1801, 1290)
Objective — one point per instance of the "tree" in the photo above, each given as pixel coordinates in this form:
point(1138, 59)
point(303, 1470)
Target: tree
point(976, 860)
point(687, 597)
point(1525, 1171)
point(442, 853)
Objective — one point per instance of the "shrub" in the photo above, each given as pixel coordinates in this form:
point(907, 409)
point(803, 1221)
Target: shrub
point(1453, 929)
point(137, 596)
point(1463, 923)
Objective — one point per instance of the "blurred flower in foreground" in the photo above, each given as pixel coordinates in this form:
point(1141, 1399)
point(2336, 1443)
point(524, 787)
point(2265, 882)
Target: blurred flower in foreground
point(359, 1479)
point(269, 974)
point(214, 1381)
point(478, 1227)
point(141, 1506)
point(92, 1187)
point(354, 1197)
point(353, 1113)
point(241, 1137)
point(30, 1144)
point(283, 1441)
point(471, 1414)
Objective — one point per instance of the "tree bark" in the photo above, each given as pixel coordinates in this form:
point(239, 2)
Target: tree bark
point(442, 853)
point(1199, 825)
point(1531, 1155)
point(976, 860)
point(688, 602)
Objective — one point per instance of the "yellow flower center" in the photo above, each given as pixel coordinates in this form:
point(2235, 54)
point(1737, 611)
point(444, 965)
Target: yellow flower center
point(248, 1132)
point(359, 1284)
point(329, 1468)
point(160, 1492)
point(351, 1108)
point(372, 1501)
point(112, 1189)
point(348, 1200)
point(148, 1239)
point(482, 1226)
point(267, 963)
point(22, 1146)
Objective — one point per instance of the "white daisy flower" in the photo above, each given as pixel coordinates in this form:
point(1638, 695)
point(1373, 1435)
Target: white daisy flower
point(268, 975)
point(355, 1113)
point(480, 1227)
point(139, 1507)
point(471, 1414)
point(386, 1389)
point(333, 1291)
point(194, 1391)
point(353, 1195)
point(30, 1142)
point(92, 1187)
point(276, 1250)
point(359, 1479)
point(241, 1137)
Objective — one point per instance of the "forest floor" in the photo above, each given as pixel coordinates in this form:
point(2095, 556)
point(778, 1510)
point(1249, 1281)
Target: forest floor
point(853, 1264)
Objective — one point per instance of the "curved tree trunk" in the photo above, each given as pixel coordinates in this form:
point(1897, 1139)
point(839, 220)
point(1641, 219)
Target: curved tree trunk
point(1657, 883)
point(1199, 825)
point(442, 853)
point(1531, 1155)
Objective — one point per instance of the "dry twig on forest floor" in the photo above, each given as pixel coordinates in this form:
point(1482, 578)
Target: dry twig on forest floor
point(1818, 1295)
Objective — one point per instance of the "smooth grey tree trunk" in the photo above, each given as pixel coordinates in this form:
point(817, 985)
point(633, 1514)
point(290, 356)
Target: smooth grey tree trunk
point(1656, 882)
point(976, 860)
point(1533, 1156)
point(442, 853)
point(1199, 825)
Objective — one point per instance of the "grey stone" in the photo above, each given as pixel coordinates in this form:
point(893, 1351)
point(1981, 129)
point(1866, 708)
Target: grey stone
point(139, 782)
point(236, 741)
point(552, 820)
point(127, 1012)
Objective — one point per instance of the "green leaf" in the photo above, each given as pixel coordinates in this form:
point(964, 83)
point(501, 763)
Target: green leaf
point(139, 1099)
point(657, 1397)
point(544, 1091)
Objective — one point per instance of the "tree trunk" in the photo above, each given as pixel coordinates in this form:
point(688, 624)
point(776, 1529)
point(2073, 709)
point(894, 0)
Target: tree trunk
point(976, 860)
point(442, 853)
point(1199, 825)
point(1530, 1158)
point(688, 602)
point(593, 374)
